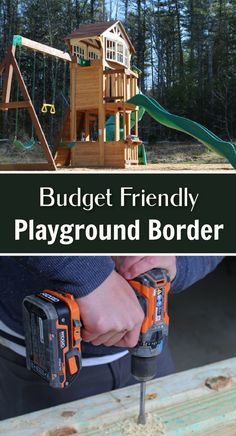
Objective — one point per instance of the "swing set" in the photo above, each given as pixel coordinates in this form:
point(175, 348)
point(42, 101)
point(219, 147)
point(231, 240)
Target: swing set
point(9, 67)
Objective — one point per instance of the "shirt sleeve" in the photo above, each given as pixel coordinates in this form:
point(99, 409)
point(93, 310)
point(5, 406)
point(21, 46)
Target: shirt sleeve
point(190, 269)
point(79, 275)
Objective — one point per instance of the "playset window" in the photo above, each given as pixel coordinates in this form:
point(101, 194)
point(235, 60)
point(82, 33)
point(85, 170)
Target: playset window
point(78, 51)
point(111, 50)
point(120, 53)
point(126, 62)
point(92, 55)
point(117, 52)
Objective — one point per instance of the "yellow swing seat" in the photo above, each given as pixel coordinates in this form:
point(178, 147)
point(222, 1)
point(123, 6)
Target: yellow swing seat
point(47, 106)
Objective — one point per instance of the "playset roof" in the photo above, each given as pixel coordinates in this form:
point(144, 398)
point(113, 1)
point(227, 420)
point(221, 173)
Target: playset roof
point(97, 29)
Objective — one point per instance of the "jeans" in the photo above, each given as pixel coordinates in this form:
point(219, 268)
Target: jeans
point(22, 391)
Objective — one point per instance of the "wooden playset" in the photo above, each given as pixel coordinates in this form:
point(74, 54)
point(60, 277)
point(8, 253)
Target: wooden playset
point(100, 127)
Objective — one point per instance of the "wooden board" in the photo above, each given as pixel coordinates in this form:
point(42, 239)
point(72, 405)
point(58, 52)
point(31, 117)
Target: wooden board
point(42, 48)
point(183, 403)
point(113, 107)
point(87, 87)
point(114, 154)
point(29, 166)
point(87, 154)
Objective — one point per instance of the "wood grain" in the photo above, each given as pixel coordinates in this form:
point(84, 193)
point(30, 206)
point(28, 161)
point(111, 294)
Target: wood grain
point(182, 402)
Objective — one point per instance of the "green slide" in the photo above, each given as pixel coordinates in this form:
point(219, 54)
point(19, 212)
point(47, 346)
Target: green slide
point(197, 131)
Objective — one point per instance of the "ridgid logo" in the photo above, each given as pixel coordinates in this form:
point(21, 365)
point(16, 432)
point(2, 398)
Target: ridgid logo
point(50, 297)
point(62, 339)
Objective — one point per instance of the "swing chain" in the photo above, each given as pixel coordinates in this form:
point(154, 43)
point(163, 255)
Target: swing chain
point(50, 106)
point(17, 98)
point(33, 90)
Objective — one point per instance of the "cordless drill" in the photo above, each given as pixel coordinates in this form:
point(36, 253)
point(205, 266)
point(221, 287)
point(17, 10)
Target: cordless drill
point(152, 290)
point(53, 333)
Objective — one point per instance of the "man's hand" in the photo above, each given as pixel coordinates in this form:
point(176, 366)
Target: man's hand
point(111, 314)
point(131, 266)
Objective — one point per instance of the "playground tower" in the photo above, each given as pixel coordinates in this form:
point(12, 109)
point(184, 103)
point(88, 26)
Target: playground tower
point(100, 119)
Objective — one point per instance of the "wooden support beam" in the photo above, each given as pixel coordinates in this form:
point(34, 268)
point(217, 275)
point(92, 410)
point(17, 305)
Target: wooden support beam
point(8, 74)
point(124, 123)
point(119, 106)
point(135, 86)
point(136, 123)
point(15, 105)
point(73, 83)
point(128, 123)
point(117, 126)
point(42, 48)
point(86, 126)
point(182, 402)
point(101, 119)
point(125, 87)
point(128, 81)
point(29, 166)
point(101, 134)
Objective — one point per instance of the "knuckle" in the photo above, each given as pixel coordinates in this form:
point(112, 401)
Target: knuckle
point(130, 325)
point(119, 327)
point(101, 326)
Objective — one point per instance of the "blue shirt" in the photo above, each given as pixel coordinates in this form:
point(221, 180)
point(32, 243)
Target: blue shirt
point(79, 275)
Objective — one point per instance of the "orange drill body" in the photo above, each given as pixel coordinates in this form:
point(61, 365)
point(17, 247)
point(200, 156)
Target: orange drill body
point(152, 289)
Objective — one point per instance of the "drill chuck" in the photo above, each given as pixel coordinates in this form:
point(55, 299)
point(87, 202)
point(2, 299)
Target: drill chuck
point(143, 368)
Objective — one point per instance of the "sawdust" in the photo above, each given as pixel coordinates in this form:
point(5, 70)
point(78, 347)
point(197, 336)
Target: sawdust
point(129, 427)
point(63, 431)
point(67, 413)
point(151, 396)
point(218, 383)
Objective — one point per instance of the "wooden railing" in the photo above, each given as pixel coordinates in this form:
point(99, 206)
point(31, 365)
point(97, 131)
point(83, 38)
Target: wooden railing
point(119, 85)
point(131, 154)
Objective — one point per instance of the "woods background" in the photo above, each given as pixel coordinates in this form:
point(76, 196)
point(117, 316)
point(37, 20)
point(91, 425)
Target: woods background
point(186, 50)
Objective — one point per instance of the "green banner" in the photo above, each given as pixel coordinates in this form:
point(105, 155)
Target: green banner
point(117, 213)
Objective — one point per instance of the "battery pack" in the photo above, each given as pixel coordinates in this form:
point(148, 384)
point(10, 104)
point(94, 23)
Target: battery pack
point(53, 338)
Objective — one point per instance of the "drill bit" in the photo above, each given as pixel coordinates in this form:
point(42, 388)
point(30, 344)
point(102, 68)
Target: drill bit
point(142, 417)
